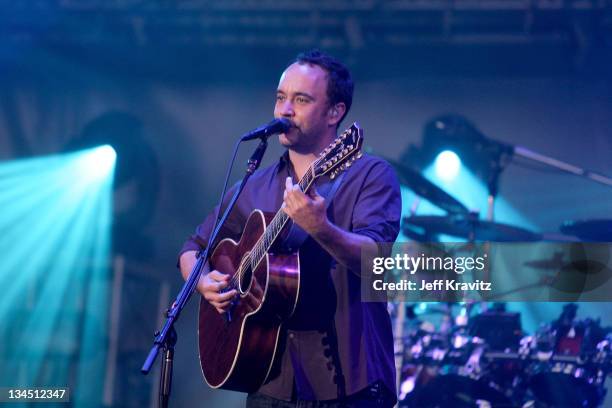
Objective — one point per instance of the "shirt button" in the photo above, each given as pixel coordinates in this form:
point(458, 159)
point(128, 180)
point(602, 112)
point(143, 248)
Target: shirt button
point(291, 335)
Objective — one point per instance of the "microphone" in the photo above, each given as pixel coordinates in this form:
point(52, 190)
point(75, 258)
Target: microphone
point(279, 125)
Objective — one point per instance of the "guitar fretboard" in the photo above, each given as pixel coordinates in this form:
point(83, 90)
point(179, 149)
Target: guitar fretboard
point(335, 158)
point(276, 225)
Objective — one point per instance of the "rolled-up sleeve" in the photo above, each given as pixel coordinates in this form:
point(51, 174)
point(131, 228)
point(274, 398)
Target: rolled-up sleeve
point(378, 208)
point(199, 238)
point(232, 228)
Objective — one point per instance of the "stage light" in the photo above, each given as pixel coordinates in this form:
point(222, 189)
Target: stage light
point(56, 221)
point(447, 165)
point(136, 175)
point(106, 156)
point(96, 163)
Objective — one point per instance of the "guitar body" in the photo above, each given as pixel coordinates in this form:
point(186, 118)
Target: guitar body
point(239, 348)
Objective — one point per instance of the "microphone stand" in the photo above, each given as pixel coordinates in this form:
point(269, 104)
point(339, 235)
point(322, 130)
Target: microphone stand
point(558, 164)
point(166, 338)
point(499, 155)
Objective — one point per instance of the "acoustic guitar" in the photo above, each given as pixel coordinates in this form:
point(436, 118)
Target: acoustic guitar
point(238, 348)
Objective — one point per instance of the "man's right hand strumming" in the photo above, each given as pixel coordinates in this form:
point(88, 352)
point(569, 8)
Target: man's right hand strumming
point(211, 283)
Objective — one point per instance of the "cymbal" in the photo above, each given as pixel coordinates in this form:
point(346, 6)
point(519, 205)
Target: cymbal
point(426, 189)
point(464, 227)
point(590, 230)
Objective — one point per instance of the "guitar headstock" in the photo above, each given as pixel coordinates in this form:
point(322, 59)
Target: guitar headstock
point(341, 153)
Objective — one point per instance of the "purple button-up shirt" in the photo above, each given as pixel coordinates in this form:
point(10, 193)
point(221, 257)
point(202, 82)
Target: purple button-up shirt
point(335, 344)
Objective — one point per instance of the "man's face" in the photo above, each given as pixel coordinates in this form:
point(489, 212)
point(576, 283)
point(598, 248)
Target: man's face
point(302, 97)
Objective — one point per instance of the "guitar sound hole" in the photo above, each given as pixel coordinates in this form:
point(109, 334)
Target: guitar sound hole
point(244, 284)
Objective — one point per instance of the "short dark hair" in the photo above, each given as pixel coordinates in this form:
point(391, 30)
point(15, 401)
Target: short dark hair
point(340, 84)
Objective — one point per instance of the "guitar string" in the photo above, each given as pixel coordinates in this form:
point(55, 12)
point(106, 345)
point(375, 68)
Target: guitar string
point(276, 225)
point(280, 219)
point(278, 222)
point(261, 247)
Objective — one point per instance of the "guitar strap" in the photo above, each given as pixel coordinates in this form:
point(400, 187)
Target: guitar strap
point(297, 235)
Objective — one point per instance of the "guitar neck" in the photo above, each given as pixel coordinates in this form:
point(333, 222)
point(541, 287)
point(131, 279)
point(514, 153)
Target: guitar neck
point(262, 246)
point(335, 158)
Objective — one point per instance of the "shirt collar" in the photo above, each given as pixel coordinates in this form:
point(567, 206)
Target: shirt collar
point(284, 159)
point(284, 164)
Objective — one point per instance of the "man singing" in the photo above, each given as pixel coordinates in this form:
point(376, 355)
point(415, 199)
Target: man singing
point(337, 350)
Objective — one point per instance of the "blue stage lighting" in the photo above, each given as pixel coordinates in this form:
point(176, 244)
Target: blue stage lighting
point(55, 271)
point(447, 165)
point(98, 162)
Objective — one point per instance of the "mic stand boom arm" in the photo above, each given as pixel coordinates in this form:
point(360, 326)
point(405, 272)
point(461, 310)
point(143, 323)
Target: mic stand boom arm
point(558, 164)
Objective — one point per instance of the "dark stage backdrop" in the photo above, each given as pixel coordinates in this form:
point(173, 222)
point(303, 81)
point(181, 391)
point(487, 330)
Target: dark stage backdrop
point(191, 124)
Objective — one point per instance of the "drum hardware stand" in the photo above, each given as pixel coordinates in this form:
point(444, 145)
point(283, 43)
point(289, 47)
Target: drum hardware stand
point(497, 164)
point(415, 206)
point(398, 334)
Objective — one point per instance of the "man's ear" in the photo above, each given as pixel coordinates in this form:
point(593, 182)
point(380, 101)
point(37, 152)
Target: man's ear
point(336, 113)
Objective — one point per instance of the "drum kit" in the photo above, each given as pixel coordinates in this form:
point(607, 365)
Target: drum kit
point(485, 359)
